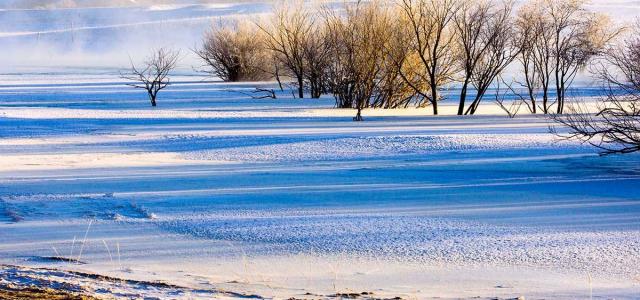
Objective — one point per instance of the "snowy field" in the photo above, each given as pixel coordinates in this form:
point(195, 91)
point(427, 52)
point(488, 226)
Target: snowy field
point(217, 194)
point(214, 194)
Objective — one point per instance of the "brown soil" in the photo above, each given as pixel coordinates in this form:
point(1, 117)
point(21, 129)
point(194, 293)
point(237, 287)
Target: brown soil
point(33, 293)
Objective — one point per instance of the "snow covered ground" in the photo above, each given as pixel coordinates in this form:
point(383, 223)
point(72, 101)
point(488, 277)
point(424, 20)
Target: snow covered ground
point(215, 194)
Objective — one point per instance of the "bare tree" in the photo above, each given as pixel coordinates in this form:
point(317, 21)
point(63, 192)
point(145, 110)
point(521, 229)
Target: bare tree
point(433, 42)
point(357, 37)
point(286, 34)
point(578, 36)
point(471, 24)
point(153, 76)
point(316, 50)
point(397, 82)
point(484, 31)
point(615, 128)
point(501, 96)
point(527, 33)
point(543, 59)
point(234, 52)
point(536, 44)
point(559, 38)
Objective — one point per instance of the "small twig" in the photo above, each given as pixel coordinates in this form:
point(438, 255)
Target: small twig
point(86, 233)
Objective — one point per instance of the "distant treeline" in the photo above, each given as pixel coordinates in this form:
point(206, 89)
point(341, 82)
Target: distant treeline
point(405, 53)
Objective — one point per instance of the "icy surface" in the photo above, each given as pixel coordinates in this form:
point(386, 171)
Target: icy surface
point(372, 146)
point(213, 188)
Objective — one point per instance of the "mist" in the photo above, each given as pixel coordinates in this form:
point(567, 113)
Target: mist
point(44, 34)
point(61, 4)
point(34, 35)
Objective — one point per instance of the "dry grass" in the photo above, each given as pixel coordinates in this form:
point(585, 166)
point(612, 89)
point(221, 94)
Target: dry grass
point(34, 293)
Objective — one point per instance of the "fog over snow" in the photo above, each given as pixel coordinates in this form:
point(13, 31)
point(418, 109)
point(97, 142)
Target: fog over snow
point(105, 33)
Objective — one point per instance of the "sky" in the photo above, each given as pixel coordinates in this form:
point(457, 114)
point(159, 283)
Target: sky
point(51, 4)
point(107, 36)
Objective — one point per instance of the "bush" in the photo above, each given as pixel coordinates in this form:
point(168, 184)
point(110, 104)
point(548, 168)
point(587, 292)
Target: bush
point(234, 52)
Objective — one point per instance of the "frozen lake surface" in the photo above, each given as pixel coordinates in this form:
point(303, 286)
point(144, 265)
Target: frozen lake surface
point(216, 191)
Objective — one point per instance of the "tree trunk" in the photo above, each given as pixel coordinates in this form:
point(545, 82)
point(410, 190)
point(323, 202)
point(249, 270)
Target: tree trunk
point(153, 99)
point(475, 105)
point(300, 87)
point(545, 101)
point(316, 90)
point(278, 79)
point(558, 91)
point(434, 101)
point(560, 97)
point(533, 103)
point(358, 116)
point(531, 92)
point(477, 100)
point(471, 109)
point(463, 97)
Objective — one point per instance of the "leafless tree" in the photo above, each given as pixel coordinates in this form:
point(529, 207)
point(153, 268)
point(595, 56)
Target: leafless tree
point(357, 37)
point(578, 36)
point(527, 33)
point(512, 109)
point(433, 42)
point(535, 32)
point(286, 35)
point(397, 82)
point(615, 128)
point(558, 39)
point(316, 50)
point(234, 52)
point(484, 31)
point(471, 24)
point(153, 76)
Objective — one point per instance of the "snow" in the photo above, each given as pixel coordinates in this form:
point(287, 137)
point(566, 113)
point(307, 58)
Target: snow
point(216, 195)
point(222, 195)
point(372, 146)
point(77, 282)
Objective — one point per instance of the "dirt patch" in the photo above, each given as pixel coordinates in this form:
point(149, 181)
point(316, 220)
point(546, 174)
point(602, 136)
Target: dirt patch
point(21, 282)
point(9, 292)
